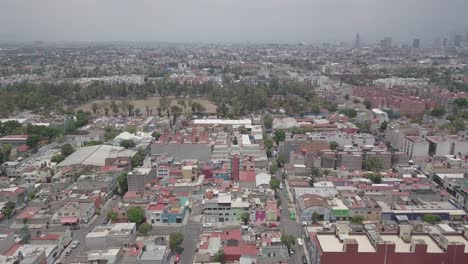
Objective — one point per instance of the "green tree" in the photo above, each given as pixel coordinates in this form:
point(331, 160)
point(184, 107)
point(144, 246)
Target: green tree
point(8, 208)
point(219, 256)
point(127, 143)
point(156, 135)
point(280, 136)
point(372, 164)
point(458, 125)
point(357, 219)
point(383, 126)
point(175, 240)
point(377, 179)
point(138, 159)
point(367, 104)
point(112, 216)
point(57, 158)
point(67, 149)
point(33, 140)
point(288, 240)
point(136, 215)
point(122, 183)
point(431, 218)
point(245, 217)
point(145, 228)
point(315, 217)
point(334, 145)
point(268, 142)
point(268, 121)
point(438, 112)
point(315, 172)
point(273, 169)
point(346, 96)
point(281, 160)
point(274, 184)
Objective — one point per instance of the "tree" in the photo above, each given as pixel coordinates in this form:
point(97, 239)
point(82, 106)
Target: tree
point(315, 217)
point(122, 182)
point(288, 240)
point(136, 215)
point(33, 140)
point(145, 228)
point(281, 160)
point(156, 135)
point(164, 103)
point(279, 136)
point(437, 112)
point(127, 143)
point(383, 126)
point(431, 218)
point(219, 256)
point(137, 160)
point(315, 172)
point(67, 149)
point(57, 158)
point(334, 145)
point(376, 179)
point(458, 124)
point(114, 107)
point(268, 142)
point(175, 240)
point(274, 184)
point(373, 164)
point(245, 217)
point(273, 169)
point(356, 101)
point(357, 219)
point(368, 104)
point(8, 208)
point(268, 122)
point(112, 215)
point(346, 96)
point(351, 113)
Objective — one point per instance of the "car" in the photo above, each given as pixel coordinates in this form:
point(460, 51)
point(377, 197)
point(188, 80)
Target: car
point(75, 244)
point(304, 223)
point(272, 225)
point(105, 221)
point(177, 258)
point(291, 251)
point(114, 197)
point(292, 215)
point(304, 260)
point(207, 225)
point(299, 241)
point(68, 252)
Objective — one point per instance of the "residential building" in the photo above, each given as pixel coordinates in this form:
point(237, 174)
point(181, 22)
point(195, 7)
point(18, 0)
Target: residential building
point(115, 235)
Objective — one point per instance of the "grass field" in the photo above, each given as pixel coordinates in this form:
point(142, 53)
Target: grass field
point(152, 103)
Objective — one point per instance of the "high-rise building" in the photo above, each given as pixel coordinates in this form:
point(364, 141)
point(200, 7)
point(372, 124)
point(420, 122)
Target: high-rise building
point(445, 44)
point(357, 42)
point(416, 43)
point(457, 41)
point(386, 43)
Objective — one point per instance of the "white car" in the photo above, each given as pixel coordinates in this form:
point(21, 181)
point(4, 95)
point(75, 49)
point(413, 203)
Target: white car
point(75, 244)
point(299, 241)
point(208, 225)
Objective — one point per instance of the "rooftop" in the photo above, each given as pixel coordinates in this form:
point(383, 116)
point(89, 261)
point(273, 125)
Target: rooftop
point(331, 243)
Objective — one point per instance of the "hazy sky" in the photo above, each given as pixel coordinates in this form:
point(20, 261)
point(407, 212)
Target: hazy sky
point(229, 20)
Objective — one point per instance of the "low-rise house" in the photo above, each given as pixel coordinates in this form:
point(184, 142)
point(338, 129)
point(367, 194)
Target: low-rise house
point(74, 213)
point(115, 235)
point(312, 204)
point(16, 195)
point(154, 254)
point(108, 256)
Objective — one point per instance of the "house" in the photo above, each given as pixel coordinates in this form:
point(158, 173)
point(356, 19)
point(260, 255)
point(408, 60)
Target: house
point(108, 256)
point(312, 204)
point(154, 254)
point(167, 210)
point(111, 236)
point(16, 195)
point(74, 213)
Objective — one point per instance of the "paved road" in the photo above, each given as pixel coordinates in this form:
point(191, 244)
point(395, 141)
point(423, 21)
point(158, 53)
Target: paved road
point(78, 253)
point(289, 226)
point(191, 233)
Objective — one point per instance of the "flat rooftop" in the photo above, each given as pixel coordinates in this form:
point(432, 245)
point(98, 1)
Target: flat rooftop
point(432, 246)
point(400, 245)
point(331, 243)
point(459, 239)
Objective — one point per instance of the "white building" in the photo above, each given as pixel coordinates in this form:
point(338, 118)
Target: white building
point(344, 139)
point(416, 147)
point(380, 115)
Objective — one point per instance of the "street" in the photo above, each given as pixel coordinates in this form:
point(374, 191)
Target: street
point(80, 235)
point(288, 226)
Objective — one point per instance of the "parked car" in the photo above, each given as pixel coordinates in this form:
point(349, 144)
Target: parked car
point(208, 225)
point(177, 258)
point(299, 241)
point(75, 244)
point(105, 221)
point(272, 225)
point(304, 260)
point(291, 251)
point(68, 252)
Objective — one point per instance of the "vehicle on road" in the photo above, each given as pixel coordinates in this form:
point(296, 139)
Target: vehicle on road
point(291, 251)
point(105, 221)
point(207, 225)
point(177, 258)
point(272, 225)
point(304, 260)
point(299, 241)
point(68, 252)
point(75, 244)
point(114, 197)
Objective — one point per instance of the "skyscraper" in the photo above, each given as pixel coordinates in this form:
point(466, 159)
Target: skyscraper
point(386, 43)
point(457, 40)
point(416, 43)
point(357, 42)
